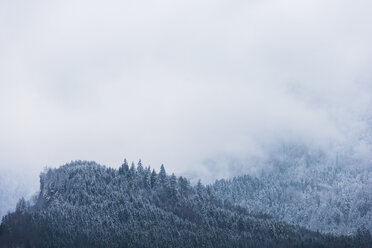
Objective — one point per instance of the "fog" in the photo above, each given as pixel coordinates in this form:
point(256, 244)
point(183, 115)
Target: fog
point(191, 84)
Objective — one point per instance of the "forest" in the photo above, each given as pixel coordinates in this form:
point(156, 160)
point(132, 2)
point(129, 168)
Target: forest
point(308, 188)
point(84, 204)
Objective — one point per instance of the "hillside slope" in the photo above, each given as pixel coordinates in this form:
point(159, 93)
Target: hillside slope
point(83, 204)
point(307, 188)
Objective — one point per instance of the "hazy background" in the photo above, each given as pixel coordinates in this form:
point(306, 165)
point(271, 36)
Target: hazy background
point(196, 85)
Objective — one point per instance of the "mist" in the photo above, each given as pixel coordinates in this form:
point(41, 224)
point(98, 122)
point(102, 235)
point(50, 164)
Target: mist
point(194, 85)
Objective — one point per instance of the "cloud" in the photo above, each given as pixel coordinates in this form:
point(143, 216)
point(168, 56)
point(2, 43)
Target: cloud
point(180, 82)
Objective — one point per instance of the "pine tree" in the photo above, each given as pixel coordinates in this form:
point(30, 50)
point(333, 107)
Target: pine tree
point(200, 189)
point(162, 175)
point(124, 167)
point(147, 178)
point(132, 171)
point(184, 186)
point(140, 167)
point(173, 188)
point(154, 178)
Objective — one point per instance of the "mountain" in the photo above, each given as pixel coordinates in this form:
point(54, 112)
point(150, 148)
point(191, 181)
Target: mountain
point(84, 204)
point(308, 188)
point(11, 190)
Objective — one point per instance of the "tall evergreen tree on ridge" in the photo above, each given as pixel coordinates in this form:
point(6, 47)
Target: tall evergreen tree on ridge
point(162, 175)
point(124, 167)
point(147, 178)
point(154, 178)
point(140, 167)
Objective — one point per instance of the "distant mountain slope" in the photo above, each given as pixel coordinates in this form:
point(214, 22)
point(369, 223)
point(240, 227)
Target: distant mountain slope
point(11, 190)
point(83, 204)
point(309, 189)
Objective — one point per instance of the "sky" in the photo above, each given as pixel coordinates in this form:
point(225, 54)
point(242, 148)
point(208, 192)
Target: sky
point(191, 84)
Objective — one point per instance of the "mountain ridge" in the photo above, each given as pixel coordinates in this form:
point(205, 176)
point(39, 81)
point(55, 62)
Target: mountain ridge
point(84, 204)
point(307, 188)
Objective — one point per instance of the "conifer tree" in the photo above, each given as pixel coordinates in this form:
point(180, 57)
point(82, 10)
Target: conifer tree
point(162, 175)
point(124, 167)
point(154, 178)
point(132, 171)
point(147, 178)
point(173, 187)
point(140, 167)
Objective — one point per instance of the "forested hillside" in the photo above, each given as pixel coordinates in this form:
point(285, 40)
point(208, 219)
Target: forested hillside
point(309, 189)
point(83, 204)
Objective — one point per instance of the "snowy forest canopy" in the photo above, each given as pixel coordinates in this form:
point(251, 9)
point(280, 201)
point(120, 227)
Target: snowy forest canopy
point(84, 204)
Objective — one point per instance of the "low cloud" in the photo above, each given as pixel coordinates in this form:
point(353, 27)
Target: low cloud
point(194, 85)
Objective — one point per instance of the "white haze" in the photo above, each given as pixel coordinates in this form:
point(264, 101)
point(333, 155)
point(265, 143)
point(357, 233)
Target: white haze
point(191, 84)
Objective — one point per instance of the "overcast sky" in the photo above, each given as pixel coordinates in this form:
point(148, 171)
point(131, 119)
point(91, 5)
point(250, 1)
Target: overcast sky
point(179, 82)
